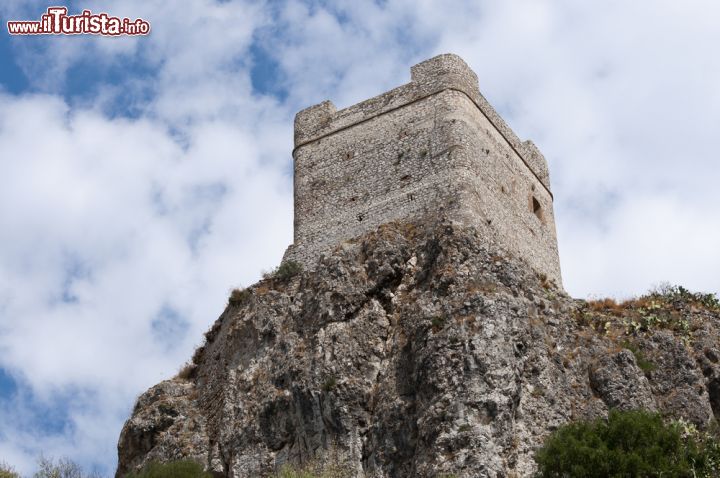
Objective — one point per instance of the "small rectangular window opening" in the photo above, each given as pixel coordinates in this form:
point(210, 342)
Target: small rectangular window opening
point(537, 208)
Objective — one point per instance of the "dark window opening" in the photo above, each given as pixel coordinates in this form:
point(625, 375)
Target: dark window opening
point(537, 208)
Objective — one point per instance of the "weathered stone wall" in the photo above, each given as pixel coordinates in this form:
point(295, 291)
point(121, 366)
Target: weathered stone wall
point(429, 149)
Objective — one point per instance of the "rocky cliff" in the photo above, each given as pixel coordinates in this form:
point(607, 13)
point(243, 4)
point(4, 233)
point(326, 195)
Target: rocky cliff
point(420, 351)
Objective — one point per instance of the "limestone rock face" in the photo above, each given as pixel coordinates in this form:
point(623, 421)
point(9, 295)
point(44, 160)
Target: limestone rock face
point(164, 426)
point(620, 383)
point(416, 351)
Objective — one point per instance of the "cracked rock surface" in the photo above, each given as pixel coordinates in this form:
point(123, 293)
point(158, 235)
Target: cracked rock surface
point(416, 351)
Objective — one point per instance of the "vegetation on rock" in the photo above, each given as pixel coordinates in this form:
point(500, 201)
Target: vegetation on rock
point(423, 339)
point(313, 472)
point(628, 444)
point(172, 469)
point(238, 296)
point(664, 308)
point(284, 271)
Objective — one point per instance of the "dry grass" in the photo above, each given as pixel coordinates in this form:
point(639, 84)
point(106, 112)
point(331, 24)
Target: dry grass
point(546, 283)
point(638, 303)
point(607, 305)
point(188, 371)
point(239, 296)
point(481, 287)
point(410, 230)
point(263, 287)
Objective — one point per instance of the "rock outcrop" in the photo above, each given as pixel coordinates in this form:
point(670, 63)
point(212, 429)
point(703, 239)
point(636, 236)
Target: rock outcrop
point(419, 351)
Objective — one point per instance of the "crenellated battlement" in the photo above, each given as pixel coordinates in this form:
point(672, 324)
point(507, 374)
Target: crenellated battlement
point(431, 146)
point(440, 73)
point(443, 72)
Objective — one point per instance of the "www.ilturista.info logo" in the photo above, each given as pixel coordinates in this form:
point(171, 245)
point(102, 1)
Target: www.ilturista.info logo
point(57, 22)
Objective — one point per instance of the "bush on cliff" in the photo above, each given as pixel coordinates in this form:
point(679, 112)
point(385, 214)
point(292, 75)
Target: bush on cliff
point(284, 271)
point(627, 444)
point(173, 469)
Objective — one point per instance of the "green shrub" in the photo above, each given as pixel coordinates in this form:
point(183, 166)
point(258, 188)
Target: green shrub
point(285, 270)
point(437, 323)
point(631, 444)
point(707, 458)
point(173, 469)
point(678, 293)
point(329, 384)
point(627, 444)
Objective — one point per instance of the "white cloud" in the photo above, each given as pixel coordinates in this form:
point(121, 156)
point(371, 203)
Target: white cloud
point(623, 101)
point(109, 223)
point(119, 220)
point(650, 239)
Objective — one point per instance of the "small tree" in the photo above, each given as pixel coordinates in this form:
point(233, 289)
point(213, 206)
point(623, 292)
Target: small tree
point(62, 468)
point(627, 444)
point(7, 471)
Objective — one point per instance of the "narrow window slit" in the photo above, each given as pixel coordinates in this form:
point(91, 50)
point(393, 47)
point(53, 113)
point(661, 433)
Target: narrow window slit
point(537, 208)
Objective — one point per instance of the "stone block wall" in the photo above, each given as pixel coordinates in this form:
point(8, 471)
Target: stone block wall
point(432, 148)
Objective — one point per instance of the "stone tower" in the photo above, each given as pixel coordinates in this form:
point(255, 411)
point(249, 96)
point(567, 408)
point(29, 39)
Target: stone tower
point(428, 149)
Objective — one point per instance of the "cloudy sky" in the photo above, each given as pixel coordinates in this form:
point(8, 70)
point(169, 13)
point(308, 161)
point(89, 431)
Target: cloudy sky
point(143, 178)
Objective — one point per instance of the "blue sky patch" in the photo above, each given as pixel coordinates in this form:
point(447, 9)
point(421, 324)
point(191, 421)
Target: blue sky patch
point(8, 386)
point(169, 327)
point(12, 78)
point(266, 75)
point(52, 415)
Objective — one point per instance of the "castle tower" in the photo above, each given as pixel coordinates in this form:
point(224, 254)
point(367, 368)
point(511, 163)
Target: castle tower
point(433, 147)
